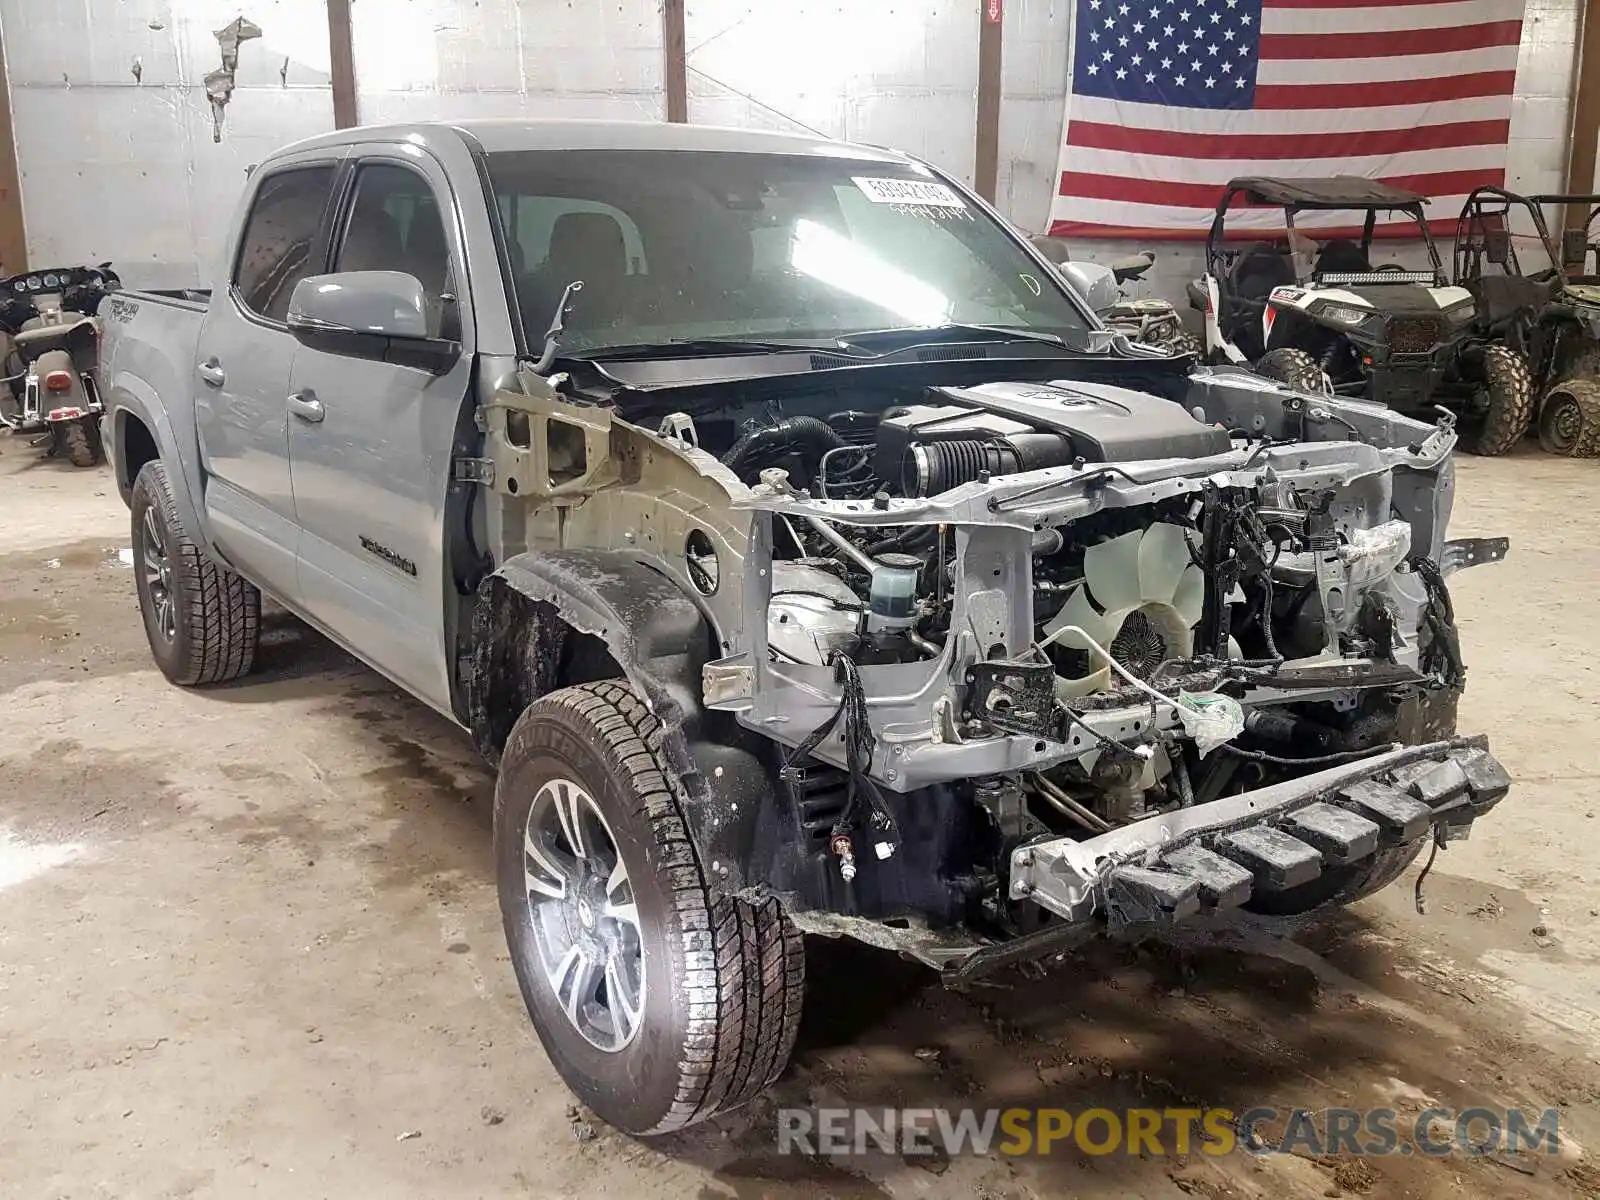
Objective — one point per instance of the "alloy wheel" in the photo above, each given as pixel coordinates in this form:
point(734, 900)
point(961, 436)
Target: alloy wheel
point(584, 914)
point(156, 567)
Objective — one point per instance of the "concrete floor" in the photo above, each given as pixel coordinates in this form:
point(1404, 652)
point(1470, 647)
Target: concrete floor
point(249, 941)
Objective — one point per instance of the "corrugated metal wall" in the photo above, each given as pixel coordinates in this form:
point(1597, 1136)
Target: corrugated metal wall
point(124, 167)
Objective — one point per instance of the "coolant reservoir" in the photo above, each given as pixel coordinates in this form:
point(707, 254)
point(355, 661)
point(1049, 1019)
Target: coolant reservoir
point(892, 602)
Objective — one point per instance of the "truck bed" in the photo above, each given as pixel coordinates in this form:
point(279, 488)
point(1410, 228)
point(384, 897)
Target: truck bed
point(178, 297)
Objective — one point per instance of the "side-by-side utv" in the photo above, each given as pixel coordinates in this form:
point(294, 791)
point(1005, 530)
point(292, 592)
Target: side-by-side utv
point(1320, 315)
point(1544, 301)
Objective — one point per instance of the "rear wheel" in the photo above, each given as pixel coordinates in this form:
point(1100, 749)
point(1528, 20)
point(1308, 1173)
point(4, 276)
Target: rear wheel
point(79, 441)
point(202, 620)
point(1507, 388)
point(1569, 419)
point(1292, 367)
point(660, 1001)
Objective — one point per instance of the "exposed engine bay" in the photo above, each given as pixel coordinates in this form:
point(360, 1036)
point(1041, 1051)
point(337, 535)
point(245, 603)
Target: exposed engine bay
point(1063, 653)
point(1021, 611)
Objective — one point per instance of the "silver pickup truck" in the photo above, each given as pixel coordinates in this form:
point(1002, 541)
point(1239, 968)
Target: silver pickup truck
point(807, 558)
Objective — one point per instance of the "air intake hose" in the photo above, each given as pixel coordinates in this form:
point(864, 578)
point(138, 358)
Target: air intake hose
point(807, 436)
point(930, 468)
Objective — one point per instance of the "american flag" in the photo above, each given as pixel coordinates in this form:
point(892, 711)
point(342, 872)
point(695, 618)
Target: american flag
point(1172, 98)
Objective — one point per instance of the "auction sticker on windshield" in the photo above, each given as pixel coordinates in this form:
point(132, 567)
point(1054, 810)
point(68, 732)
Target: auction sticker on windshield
point(908, 191)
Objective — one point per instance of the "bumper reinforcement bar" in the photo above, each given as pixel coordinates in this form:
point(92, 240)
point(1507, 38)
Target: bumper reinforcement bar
point(1216, 856)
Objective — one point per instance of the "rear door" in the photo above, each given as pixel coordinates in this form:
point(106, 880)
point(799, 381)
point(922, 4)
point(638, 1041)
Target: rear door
point(243, 359)
point(370, 441)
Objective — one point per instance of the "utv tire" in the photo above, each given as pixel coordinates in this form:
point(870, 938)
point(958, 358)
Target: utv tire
point(1184, 342)
point(80, 442)
point(1509, 386)
point(1295, 368)
point(202, 620)
point(1569, 420)
point(659, 1001)
point(1339, 886)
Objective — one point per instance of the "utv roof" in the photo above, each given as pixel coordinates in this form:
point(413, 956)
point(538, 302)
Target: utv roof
point(1333, 191)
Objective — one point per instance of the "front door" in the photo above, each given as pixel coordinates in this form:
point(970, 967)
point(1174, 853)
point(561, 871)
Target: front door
point(370, 442)
point(242, 369)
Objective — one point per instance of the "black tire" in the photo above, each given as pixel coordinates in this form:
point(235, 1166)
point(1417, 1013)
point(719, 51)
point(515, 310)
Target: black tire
point(721, 978)
point(1569, 419)
point(1339, 886)
point(202, 620)
point(1508, 385)
point(1183, 342)
point(1294, 368)
point(79, 441)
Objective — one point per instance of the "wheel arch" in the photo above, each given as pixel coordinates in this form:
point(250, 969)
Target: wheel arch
point(140, 430)
point(133, 445)
point(547, 620)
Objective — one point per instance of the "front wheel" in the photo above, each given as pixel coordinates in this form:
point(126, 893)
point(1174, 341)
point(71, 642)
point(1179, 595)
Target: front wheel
point(1294, 368)
point(1507, 389)
point(659, 1001)
point(1183, 342)
point(1569, 420)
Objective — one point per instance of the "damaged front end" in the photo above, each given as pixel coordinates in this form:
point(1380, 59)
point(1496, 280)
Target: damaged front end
point(1044, 660)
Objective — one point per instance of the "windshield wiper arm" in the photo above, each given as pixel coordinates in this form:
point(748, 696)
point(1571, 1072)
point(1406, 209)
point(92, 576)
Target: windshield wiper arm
point(922, 335)
point(558, 326)
point(680, 347)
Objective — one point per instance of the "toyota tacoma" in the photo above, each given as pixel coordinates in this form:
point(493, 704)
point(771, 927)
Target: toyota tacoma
point(805, 556)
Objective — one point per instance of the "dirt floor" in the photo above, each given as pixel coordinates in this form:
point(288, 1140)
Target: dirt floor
point(249, 942)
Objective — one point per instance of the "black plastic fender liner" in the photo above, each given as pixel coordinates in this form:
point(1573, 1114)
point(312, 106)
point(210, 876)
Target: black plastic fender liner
point(659, 640)
point(656, 634)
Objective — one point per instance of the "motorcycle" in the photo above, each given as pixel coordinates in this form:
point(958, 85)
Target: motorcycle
point(50, 324)
point(1151, 321)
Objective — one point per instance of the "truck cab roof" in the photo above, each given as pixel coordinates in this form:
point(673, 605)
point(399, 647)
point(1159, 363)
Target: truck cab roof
point(512, 134)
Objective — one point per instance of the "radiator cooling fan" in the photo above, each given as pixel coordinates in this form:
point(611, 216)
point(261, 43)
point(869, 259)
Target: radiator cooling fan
point(1141, 598)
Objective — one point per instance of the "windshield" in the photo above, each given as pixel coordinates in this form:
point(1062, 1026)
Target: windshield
point(674, 245)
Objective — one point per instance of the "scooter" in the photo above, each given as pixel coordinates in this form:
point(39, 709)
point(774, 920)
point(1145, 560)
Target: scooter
point(49, 318)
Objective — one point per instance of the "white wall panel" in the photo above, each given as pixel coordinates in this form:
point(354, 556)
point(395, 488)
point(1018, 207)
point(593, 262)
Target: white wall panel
point(1037, 37)
point(888, 72)
point(428, 60)
point(120, 167)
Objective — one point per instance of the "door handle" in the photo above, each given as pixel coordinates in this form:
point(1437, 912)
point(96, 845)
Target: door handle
point(306, 406)
point(211, 371)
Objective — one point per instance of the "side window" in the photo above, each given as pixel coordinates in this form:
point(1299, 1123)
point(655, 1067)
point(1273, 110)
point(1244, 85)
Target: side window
point(279, 235)
point(395, 226)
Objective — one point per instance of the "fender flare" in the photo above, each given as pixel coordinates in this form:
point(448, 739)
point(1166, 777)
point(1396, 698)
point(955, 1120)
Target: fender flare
point(130, 396)
point(657, 636)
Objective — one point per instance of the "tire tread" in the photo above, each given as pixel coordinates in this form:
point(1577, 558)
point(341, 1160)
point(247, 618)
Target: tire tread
point(1585, 395)
point(1510, 384)
point(220, 611)
point(1293, 368)
point(81, 443)
point(744, 961)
